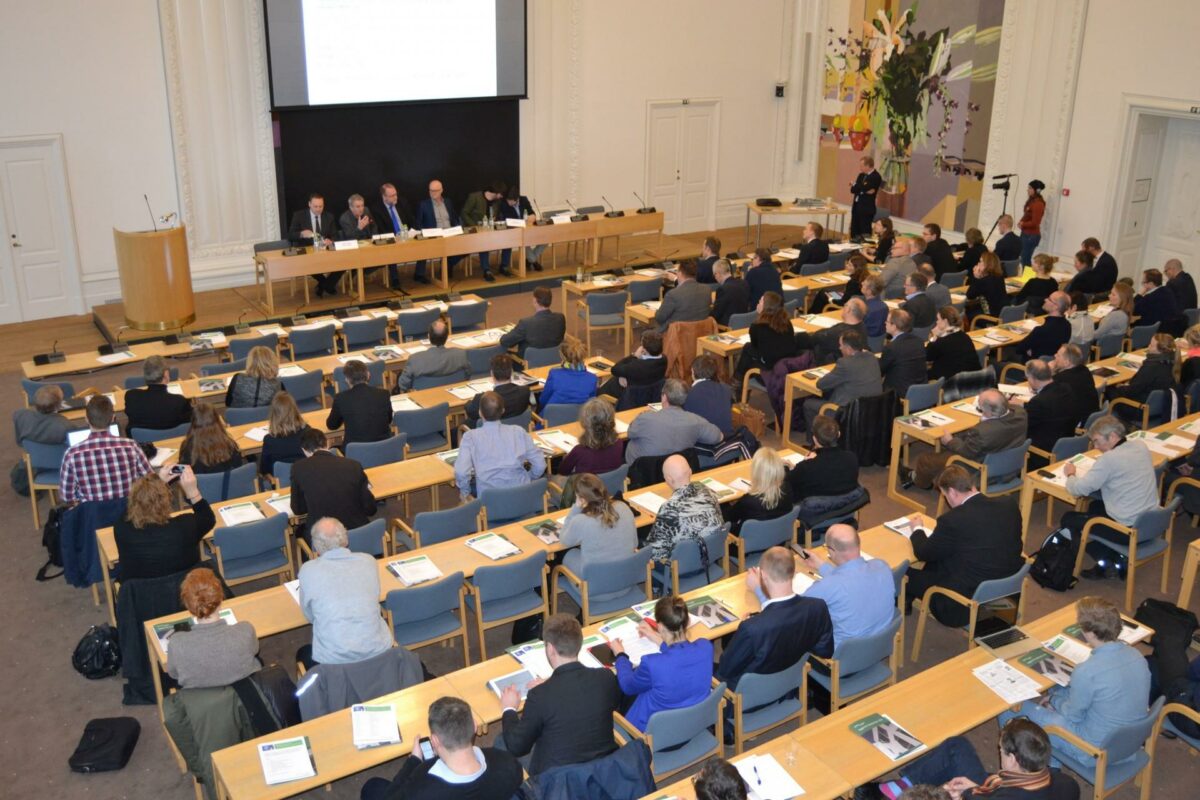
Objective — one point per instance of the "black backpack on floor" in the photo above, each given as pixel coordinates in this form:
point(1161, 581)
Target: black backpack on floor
point(98, 654)
point(106, 745)
point(1054, 564)
point(52, 541)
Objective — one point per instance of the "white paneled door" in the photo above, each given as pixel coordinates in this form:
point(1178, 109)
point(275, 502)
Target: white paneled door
point(1174, 230)
point(39, 271)
point(681, 168)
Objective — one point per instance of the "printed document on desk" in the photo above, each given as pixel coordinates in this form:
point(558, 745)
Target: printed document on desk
point(766, 778)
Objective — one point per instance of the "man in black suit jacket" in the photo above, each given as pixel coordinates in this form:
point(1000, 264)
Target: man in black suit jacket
point(1104, 265)
point(708, 397)
point(545, 328)
point(978, 539)
point(567, 717)
point(866, 185)
point(1157, 303)
point(643, 367)
point(710, 251)
point(516, 398)
point(917, 303)
point(326, 485)
point(1053, 333)
point(733, 294)
point(787, 628)
point(154, 407)
point(1070, 370)
point(902, 361)
point(356, 222)
point(310, 225)
point(1087, 279)
point(938, 250)
point(391, 215)
point(814, 249)
point(826, 344)
point(366, 410)
point(1180, 284)
point(1008, 246)
point(1050, 413)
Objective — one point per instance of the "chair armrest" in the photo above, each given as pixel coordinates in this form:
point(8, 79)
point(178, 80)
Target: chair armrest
point(627, 731)
point(1140, 407)
point(1037, 451)
point(194, 376)
point(1008, 367)
point(537, 418)
point(828, 662)
point(949, 594)
point(582, 306)
point(964, 460)
point(826, 406)
point(1181, 481)
point(398, 524)
point(1108, 523)
point(1071, 738)
point(305, 550)
point(750, 373)
point(562, 570)
point(554, 489)
point(983, 318)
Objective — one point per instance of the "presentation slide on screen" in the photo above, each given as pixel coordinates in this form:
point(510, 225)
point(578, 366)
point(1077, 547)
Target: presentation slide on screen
point(373, 51)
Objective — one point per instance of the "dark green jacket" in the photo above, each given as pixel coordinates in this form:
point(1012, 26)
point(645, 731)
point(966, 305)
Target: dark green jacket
point(203, 721)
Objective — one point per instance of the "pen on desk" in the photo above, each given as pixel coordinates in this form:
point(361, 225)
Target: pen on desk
point(757, 777)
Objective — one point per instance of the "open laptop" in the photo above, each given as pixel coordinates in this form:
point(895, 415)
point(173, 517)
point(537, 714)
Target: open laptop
point(1008, 643)
point(75, 437)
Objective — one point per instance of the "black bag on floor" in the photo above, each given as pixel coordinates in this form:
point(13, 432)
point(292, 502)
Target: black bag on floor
point(18, 477)
point(106, 745)
point(52, 541)
point(98, 654)
point(1054, 565)
point(1168, 620)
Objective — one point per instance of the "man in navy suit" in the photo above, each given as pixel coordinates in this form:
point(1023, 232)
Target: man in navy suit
point(392, 214)
point(788, 627)
point(436, 211)
point(1158, 304)
point(708, 397)
point(814, 249)
point(1104, 265)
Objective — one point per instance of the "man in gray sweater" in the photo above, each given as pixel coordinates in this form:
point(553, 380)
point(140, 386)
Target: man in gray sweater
point(660, 433)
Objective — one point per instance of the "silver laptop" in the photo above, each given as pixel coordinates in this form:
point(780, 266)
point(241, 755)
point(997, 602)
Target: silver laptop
point(75, 437)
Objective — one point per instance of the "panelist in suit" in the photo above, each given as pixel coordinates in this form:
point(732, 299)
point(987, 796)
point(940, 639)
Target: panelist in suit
point(689, 301)
point(917, 301)
point(436, 211)
point(567, 717)
point(865, 187)
point(710, 251)
point(762, 277)
point(392, 215)
point(517, 206)
point(788, 627)
point(365, 409)
point(1105, 264)
point(356, 222)
point(733, 294)
point(154, 407)
point(325, 484)
point(481, 206)
point(814, 249)
point(978, 539)
point(856, 374)
point(902, 361)
point(1157, 303)
point(1008, 246)
point(1180, 284)
point(938, 250)
point(544, 328)
point(438, 360)
point(311, 225)
point(1001, 427)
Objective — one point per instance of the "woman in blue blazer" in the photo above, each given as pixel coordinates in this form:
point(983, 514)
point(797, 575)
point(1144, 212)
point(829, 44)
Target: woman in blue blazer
point(679, 675)
point(570, 383)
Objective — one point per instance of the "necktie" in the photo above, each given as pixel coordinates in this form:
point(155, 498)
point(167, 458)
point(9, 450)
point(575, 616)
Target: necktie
point(316, 223)
point(395, 219)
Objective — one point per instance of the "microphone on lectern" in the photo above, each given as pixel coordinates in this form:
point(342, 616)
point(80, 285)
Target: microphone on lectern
point(612, 213)
point(645, 209)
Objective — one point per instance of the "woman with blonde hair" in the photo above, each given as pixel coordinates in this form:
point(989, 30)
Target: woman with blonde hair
point(1038, 288)
point(211, 652)
point(151, 543)
point(284, 427)
point(1117, 320)
point(770, 494)
point(572, 382)
point(258, 384)
point(601, 528)
point(208, 447)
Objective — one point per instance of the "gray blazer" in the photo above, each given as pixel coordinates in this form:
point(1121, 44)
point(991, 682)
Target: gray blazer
point(659, 433)
point(434, 361)
point(852, 377)
point(939, 294)
point(893, 273)
point(593, 541)
point(542, 329)
point(687, 302)
point(990, 436)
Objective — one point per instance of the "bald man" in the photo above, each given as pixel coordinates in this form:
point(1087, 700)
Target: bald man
point(999, 428)
point(691, 512)
point(860, 594)
point(436, 211)
point(1180, 283)
point(1055, 331)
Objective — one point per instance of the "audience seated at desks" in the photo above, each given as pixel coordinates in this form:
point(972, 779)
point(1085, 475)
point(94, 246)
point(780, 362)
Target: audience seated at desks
point(1055, 331)
point(987, 293)
point(210, 652)
point(285, 426)
point(1180, 283)
point(1070, 369)
point(719, 780)
point(860, 594)
point(857, 273)
point(516, 398)
point(43, 423)
point(151, 543)
point(1038, 288)
point(937, 249)
point(544, 328)
point(1156, 373)
point(1050, 413)
point(828, 478)
point(733, 293)
point(1156, 303)
point(710, 254)
point(325, 484)
point(1000, 427)
point(597, 528)
point(691, 512)
point(571, 382)
point(364, 409)
point(101, 467)
point(856, 374)
point(154, 407)
point(496, 455)
point(813, 249)
point(600, 450)
point(771, 337)
point(874, 311)
point(902, 362)
point(658, 433)
point(258, 384)
point(1083, 327)
point(207, 446)
point(938, 293)
point(826, 343)
point(436, 361)
point(897, 266)
point(642, 368)
point(917, 302)
point(769, 496)
point(1120, 298)
point(885, 236)
point(950, 350)
point(709, 397)
point(689, 301)
point(973, 251)
point(762, 276)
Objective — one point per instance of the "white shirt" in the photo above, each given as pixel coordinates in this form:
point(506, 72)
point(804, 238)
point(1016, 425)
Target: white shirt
point(440, 770)
point(776, 600)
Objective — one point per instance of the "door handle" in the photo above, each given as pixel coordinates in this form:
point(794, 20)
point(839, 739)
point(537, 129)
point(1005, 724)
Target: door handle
point(15, 243)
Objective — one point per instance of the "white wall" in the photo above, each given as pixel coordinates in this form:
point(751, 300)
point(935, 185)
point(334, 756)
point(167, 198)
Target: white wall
point(94, 73)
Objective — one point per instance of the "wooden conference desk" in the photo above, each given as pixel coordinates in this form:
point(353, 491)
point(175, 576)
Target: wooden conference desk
point(829, 210)
point(1191, 565)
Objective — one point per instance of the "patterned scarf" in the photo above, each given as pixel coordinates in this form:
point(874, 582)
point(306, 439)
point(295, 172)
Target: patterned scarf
point(1028, 781)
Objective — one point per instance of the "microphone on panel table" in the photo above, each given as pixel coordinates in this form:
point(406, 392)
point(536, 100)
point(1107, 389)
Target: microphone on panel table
point(146, 197)
point(645, 209)
point(575, 215)
point(53, 357)
point(612, 213)
point(239, 326)
point(538, 219)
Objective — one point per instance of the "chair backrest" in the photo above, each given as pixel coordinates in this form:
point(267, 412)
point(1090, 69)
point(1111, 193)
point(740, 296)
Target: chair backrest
point(614, 480)
point(1192, 315)
point(953, 280)
point(282, 470)
point(921, 396)
point(44, 457)
point(480, 359)
point(31, 388)
point(1006, 464)
point(686, 553)
point(1192, 395)
point(465, 316)
point(673, 727)
point(1152, 523)
point(1013, 313)
point(141, 435)
point(510, 578)
point(643, 290)
point(218, 486)
point(815, 269)
point(304, 387)
point(557, 414)
point(1011, 268)
point(1140, 335)
point(898, 573)
point(981, 353)
point(276, 244)
point(616, 575)
point(759, 690)
point(739, 321)
point(375, 370)
point(432, 381)
point(521, 420)
point(856, 654)
point(607, 302)
point(252, 538)
point(1109, 344)
point(541, 356)
point(222, 368)
point(837, 261)
point(368, 538)
point(376, 454)
point(364, 331)
point(1159, 402)
point(1128, 739)
point(244, 416)
point(1069, 446)
point(312, 342)
point(795, 296)
point(968, 384)
point(875, 343)
point(139, 381)
point(441, 526)
point(637, 395)
point(991, 590)
point(414, 323)
point(417, 603)
point(422, 421)
point(759, 534)
point(240, 348)
point(511, 503)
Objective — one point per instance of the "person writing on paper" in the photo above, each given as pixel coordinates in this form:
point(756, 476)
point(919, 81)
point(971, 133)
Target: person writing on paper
point(571, 382)
point(208, 447)
point(784, 631)
point(679, 675)
point(600, 450)
point(719, 780)
point(496, 455)
point(257, 386)
point(860, 594)
point(597, 528)
point(461, 771)
point(211, 653)
point(285, 425)
point(1106, 692)
point(692, 512)
point(1000, 428)
point(365, 410)
point(516, 398)
point(435, 361)
point(769, 496)
point(568, 717)
point(154, 407)
point(43, 423)
point(339, 595)
point(325, 484)
point(544, 328)
point(151, 543)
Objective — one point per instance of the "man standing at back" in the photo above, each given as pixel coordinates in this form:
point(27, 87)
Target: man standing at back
point(710, 252)
point(544, 328)
point(154, 407)
point(436, 211)
point(436, 361)
point(568, 717)
point(687, 302)
point(365, 409)
point(860, 594)
point(496, 455)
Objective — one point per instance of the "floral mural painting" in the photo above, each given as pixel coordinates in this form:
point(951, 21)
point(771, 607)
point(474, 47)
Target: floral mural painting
point(911, 85)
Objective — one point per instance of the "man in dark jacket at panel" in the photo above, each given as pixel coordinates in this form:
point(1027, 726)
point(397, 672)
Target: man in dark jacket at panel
point(544, 328)
point(327, 485)
point(436, 211)
point(391, 215)
point(938, 250)
point(978, 539)
point(733, 294)
point(1180, 284)
point(902, 361)
point(310, 225)
point(1070, 370)
point(154, 407)
point(366, 410)
point(568, 717)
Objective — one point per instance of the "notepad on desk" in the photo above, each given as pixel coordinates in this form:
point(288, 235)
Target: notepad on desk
point(493, 545)
point(548, 531)
point(414, 570)
point(257, 433)
point(649, 501)
point(240, 513)
point(719, 489)
point(1048, 665)
point(281, 503)
point(286, 760)
point(374, 725)
point(887, 736)
point(563, 442)
point(404, 403)
point(291, 371)
point(766, 779)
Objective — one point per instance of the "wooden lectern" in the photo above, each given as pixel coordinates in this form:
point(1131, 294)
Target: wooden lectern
point(156, 281)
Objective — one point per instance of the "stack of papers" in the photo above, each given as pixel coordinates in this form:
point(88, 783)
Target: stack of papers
point(1165, 443)
point(240, 514)
point(648, 500)
point(903, 526)
point(1011, 390)
point(291, 371)
point(113, 358)
point(789, 252)
point(548, 531)
point(286, 760)
point(802, 582)
point(411, 571)
point(719, 489)
point(887, 736)
point(622, 427)
point(388, 352)
point(1132, 633)
point(792, 459)
point(820, 320)
point(741, 484)
point(282, 503)
point(493, 545)
point(1012, 685)
point(312, 326)
point(465, 392)
point(995, 338)
point(364, 357)
point(1082, 464)
point(532, 656)
point(175, 388)
point(269, 330)
point(293, 588)
point(766, 778)
point(711, 613)
point(449, 456)
point(218, 384)
point(648, 273)
point(968, 407)
point(257, 433)
point(626, 630)
point(1068, 648)
point(404, 403)
point(563, 442)
point(374, 726)
point(653, 305)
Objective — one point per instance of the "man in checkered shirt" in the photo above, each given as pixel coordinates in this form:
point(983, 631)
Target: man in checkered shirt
point(102, 466)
